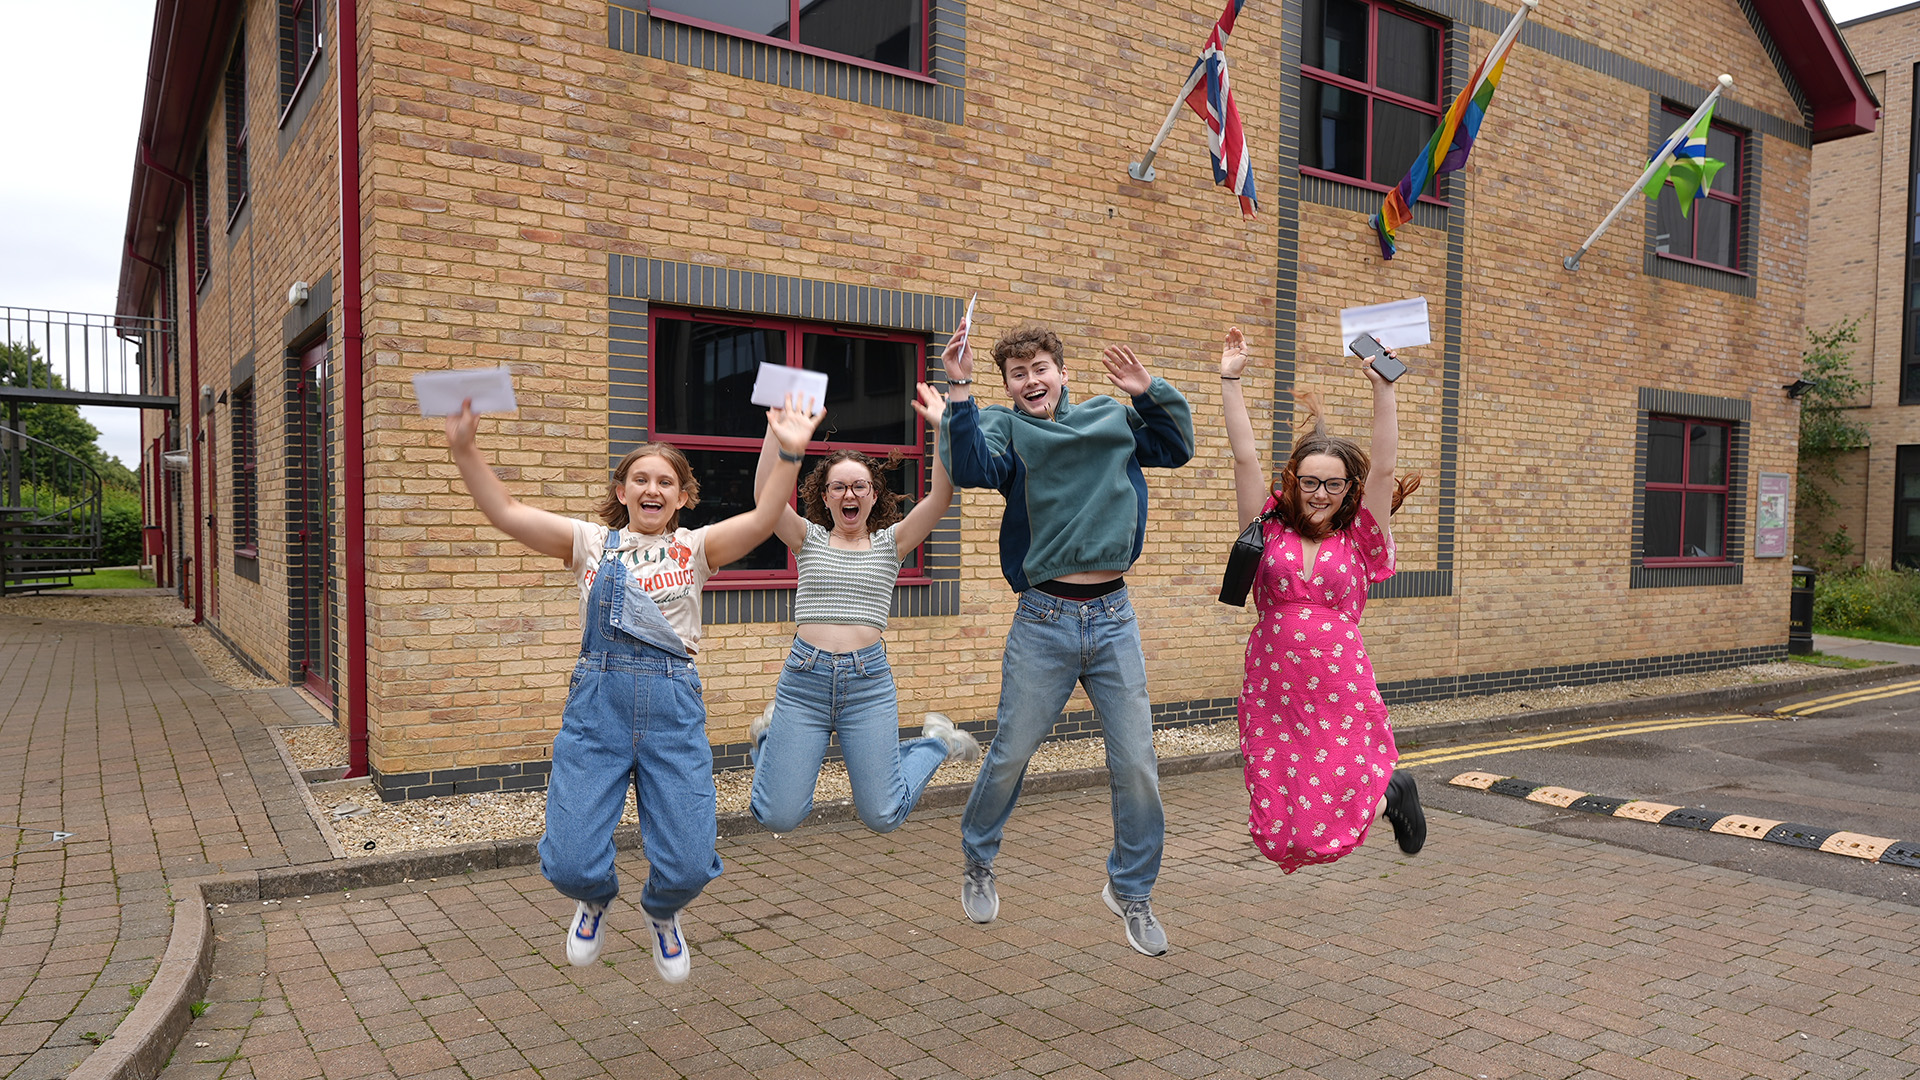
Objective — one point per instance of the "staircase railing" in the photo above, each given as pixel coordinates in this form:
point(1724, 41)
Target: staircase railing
point(50, 513)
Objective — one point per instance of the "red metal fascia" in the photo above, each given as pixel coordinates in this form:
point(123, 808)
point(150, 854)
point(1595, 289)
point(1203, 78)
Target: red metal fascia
point(1820, 62)
point(353, 390)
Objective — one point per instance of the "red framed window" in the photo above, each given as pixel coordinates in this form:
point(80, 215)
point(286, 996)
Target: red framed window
point(1688, 463)
point(236, 93)
point(1369, 89)
point(1710, 233)
point(246, 475)
point(703, 366)
point(886, 34)
point(300, 43)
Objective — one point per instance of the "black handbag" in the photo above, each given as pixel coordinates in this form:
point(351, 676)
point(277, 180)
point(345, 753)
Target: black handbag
point(1243, 562)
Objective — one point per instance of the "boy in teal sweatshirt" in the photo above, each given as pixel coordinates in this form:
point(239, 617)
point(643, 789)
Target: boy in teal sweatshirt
point(1076, 519)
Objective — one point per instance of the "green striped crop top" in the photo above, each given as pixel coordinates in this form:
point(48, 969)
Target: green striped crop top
point(842, 586)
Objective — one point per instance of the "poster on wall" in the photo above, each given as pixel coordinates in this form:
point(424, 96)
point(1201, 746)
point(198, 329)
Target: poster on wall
point(1770, 516)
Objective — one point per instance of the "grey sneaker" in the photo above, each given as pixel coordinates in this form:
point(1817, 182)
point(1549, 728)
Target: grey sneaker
point(1143, 930)
point(961, 745)
point(977, 894)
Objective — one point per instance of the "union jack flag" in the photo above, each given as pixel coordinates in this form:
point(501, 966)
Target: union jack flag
point(1212, 98)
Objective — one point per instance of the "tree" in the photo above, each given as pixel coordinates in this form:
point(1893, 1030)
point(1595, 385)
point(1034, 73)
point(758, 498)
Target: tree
point(54, 423)
point(1826, 435)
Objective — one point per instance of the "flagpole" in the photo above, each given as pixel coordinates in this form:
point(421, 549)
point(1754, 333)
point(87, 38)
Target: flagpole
point(1143, 169)
point(1506, 38)
point(1673, 143)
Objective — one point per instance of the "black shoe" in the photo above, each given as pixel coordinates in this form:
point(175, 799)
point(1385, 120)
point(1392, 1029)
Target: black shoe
point(1403, 810)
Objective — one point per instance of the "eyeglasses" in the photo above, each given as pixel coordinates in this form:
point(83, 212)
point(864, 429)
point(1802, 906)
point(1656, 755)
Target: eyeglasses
point(1336, 486)
point(858, 487)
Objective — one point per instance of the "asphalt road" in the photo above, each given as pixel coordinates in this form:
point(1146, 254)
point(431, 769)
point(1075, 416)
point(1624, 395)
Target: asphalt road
point(1842, 761)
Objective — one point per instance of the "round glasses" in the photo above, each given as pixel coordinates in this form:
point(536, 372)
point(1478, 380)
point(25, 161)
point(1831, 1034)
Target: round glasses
point(1337, 486)
point(858, 487)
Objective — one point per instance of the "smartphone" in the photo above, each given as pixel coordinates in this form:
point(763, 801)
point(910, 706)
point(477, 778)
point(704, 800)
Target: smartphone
point(1369, 346)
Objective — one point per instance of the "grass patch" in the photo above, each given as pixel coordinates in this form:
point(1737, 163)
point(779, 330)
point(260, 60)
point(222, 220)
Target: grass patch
point(1821, 659)
point(106, 579)
point(1876, 635)
point(198, 1009)
point(1870, 601)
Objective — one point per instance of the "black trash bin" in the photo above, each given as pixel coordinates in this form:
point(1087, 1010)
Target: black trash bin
point(1800, 612)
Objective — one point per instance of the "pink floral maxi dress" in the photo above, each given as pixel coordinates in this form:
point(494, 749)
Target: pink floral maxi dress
point(1313, 729)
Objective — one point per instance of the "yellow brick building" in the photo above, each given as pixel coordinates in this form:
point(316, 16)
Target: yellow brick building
point(625, 203)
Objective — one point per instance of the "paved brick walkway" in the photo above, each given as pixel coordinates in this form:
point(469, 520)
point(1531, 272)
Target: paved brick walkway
point(116, 735)
point(840, 954)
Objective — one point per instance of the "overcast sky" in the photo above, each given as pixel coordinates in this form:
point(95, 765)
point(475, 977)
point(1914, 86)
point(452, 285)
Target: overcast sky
point(71, 75)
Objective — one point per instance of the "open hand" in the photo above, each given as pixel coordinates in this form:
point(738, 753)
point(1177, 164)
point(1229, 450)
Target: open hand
point(461, 426)
point(1126, 370)
point(793, 424)
point(1233, 354)
point(929, 404)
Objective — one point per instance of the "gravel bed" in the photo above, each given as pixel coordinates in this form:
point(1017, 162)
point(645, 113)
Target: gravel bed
point(460, 819)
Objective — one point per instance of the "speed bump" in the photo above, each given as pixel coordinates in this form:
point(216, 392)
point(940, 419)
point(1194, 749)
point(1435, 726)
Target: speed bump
point(1854, 845)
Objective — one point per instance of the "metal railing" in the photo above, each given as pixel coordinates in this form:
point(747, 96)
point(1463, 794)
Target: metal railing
point(50, 514)
point(81, 359)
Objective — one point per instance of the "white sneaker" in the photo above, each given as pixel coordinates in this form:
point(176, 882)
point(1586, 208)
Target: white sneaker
point(670, 957)
point(757, 729)
point(961, 745)
point(584, 936)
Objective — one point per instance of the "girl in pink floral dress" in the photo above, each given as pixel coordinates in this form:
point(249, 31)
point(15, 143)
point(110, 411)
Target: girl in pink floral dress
point(1313, 731)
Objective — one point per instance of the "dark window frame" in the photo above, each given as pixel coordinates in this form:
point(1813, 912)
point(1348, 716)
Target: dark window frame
point(1737, 168)
point(1371, 90)
point(202, 211)
point(914, 456)
point(1905, 547)
point(238, 179)
point(1687, 486)
point(245, 454)
point(1910, 311)
point(298, 17)
point(793, 43)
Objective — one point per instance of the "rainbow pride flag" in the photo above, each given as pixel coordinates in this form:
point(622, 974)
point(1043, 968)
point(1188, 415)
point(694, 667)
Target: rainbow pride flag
point(1446, 151)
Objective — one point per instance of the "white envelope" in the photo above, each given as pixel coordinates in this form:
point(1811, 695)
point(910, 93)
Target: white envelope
point(441, 392)
point(1401, 324)
point(776, 381)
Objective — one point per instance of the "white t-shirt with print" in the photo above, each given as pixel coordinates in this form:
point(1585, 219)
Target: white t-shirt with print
point(671, 567)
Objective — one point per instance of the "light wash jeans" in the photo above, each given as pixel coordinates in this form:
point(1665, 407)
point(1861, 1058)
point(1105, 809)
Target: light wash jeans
point(634, 717)
point(1052, 645)
point(852, 693)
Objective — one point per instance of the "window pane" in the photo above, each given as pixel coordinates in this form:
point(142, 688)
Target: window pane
point(1398, 137)
point(1409, 61)
point(1724, 147)
point(1662, 533)
point(1664, 450)
point(1715, 236)
point(726, 489)
point(767, 17)
point(1707, 450)
point(1674, 234)
point(703, 375)
point(869, 387)
point(884, 31)
point(1333, 129)
point(1706, 523)
point(1334, 38)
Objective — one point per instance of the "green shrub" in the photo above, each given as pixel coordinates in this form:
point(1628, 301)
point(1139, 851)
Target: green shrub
point(1872, 599)
point(120, 528)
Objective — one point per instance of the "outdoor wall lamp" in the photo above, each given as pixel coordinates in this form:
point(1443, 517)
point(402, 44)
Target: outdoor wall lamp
point(1797, 387)
point(297, 293)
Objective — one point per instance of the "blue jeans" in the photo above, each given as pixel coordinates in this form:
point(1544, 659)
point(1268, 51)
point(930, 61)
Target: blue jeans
point(634, 717)
point(852, 693)
point(1052, 645)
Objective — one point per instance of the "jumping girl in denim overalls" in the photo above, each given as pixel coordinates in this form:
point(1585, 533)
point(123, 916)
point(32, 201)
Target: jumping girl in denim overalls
point(634, 715)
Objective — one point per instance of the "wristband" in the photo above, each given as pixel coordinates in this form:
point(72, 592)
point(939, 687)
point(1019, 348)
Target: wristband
point(1231, 378)
point(959, 382)
point(795, 458)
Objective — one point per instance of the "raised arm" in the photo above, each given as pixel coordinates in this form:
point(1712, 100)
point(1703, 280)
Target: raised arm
point(791, 528)
point(1250, 487)
point(1163, 439)
point(919, 522)
point(733, 538)
point(1383, 453)
point(971, 458)
point(544, 532)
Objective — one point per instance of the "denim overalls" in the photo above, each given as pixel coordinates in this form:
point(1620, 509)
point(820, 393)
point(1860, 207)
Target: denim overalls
point(633, 716)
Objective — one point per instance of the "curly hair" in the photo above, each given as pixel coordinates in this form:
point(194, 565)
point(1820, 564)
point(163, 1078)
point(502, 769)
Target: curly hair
point(886, 502)
point(614, 512)
point(1291, 508)
point(1024, 344)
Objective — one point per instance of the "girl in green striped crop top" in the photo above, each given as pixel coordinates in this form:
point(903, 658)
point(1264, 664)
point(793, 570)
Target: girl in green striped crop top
point(849, 547)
